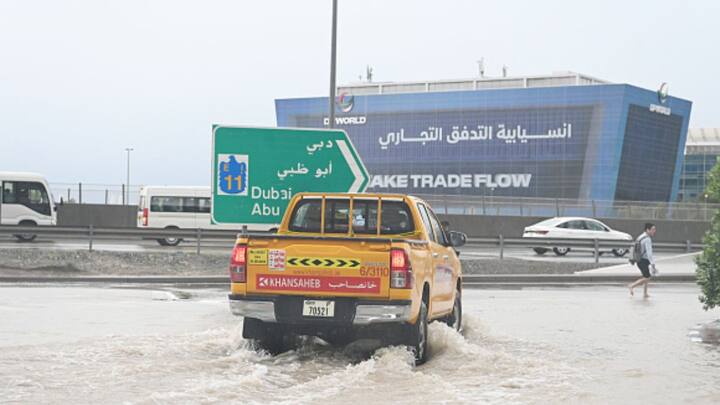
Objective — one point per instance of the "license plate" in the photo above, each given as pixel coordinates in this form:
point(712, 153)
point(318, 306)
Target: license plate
point(323, 309)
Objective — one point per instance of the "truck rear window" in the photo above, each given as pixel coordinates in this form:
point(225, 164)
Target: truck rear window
point(395, 216)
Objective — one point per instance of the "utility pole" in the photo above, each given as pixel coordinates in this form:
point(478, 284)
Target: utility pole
point(333, 46)
point(127, 183)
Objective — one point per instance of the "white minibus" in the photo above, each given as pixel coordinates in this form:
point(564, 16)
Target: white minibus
point(178, 207)
point(26, 200)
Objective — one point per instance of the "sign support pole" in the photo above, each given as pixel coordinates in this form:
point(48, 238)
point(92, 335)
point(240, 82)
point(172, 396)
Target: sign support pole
point(333, 46)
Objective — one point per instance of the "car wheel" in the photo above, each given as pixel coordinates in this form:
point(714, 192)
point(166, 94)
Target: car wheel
point(620, 252)
point(561, 251)
point(454, 320)
point(26, 237)
point(418, 336)
point(171, 241)
point(540, 251)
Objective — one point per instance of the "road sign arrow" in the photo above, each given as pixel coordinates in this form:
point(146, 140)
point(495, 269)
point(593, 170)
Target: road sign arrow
point(360, 174)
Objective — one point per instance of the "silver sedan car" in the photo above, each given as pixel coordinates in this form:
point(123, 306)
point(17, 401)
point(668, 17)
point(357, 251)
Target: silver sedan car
point(575, 228)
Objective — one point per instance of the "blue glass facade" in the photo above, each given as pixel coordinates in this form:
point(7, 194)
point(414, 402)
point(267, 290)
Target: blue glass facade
point(600, 142)
point(694, 176)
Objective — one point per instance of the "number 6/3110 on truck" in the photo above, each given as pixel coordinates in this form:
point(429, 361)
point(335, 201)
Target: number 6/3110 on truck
point(348, 266)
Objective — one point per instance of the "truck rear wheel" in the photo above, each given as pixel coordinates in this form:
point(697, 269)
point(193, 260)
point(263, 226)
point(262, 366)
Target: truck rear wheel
point(418, 336)
point(272, 344)
point(268, 338)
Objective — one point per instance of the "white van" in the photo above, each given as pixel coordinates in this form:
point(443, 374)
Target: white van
point(26, 200)
point(177, 207)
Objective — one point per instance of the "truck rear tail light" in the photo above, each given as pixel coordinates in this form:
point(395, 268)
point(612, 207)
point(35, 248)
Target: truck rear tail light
point(400, 270)
point(145, 217)
point(238, 267)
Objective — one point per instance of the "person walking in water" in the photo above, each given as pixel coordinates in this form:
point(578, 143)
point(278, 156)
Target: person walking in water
point(646, 262)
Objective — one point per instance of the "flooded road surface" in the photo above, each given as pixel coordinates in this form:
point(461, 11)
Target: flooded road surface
point(141, 346)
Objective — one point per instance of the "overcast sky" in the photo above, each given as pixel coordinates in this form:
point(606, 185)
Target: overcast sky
point(82, 80)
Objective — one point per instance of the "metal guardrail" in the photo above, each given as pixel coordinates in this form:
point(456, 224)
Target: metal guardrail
point(199, 236)
point(558, 207)
point(596, 245)
point(92, 234)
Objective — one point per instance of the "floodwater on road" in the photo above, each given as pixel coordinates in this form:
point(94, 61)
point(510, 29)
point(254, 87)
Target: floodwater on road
point(142, 346)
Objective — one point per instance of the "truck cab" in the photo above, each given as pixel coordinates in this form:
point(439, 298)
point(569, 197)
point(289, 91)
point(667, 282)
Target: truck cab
point(345, 267)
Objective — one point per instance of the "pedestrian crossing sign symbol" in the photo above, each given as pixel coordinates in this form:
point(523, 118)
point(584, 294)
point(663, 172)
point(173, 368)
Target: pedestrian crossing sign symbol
point(233, 174)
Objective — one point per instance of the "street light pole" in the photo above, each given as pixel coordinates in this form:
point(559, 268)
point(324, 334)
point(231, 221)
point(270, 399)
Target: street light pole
point(333, 46)
point(127, 183)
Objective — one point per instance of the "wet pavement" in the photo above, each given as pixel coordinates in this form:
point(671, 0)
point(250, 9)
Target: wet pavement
point(132, 345)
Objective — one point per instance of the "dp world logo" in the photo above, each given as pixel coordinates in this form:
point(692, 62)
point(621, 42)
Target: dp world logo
point(662, 93)
point(345, 102)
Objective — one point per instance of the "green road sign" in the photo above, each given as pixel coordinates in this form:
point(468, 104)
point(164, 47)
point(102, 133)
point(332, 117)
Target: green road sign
point(257, 170)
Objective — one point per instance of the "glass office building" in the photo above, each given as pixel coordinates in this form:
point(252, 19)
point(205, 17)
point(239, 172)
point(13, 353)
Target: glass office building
point(701, 154)
point(559, 136)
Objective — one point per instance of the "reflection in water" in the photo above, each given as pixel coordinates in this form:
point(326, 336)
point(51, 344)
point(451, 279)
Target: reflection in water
point(706, 333)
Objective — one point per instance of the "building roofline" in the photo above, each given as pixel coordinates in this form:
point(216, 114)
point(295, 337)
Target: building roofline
point(556, 79)
point(702, 141)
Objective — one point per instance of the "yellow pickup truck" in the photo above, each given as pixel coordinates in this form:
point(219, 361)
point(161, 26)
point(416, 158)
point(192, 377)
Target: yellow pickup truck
point(348, 266)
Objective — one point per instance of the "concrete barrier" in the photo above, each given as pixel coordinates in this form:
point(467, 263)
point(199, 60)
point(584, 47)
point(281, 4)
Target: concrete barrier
point(97, 215)
point(490, 226)
point(476, 226)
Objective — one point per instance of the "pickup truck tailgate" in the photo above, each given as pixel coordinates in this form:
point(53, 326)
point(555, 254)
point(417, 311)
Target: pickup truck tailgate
point(319, 267)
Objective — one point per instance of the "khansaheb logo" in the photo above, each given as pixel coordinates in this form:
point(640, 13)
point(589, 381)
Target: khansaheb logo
point(317, 283)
